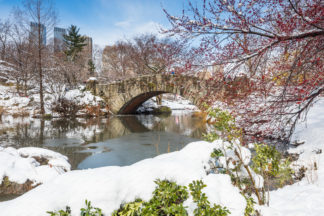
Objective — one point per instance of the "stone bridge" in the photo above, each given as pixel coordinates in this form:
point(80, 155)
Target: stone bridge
point(124, 97)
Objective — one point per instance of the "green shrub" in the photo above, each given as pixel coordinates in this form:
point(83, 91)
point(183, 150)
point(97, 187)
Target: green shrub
point(249, 209)
point(130, 209)
point(168, 199)
point(203, 205)
point(266, 160)
point(269, 162)
point(66, 212)
point(88, 211)
point(48, 116)
point(162, 110)
point(224, 126)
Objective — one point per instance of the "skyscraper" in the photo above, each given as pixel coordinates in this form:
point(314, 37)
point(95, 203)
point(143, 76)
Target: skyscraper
point(34, 32)
point(87, 50)
point(59, 39)
point(87, 56)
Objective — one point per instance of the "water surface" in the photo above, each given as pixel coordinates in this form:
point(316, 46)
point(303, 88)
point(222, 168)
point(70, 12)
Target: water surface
point(117, 141)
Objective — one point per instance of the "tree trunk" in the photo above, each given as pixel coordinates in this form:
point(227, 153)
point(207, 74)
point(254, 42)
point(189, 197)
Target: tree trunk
point(41, 96)
point(159, 100)
point(25, 87)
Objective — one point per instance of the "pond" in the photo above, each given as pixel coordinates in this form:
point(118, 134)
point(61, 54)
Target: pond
point(113, 141)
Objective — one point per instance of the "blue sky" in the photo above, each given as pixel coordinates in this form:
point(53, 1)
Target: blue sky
point(107, 21)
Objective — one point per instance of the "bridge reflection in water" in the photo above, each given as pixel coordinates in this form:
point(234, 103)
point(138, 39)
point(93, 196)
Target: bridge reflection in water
point(90, 143)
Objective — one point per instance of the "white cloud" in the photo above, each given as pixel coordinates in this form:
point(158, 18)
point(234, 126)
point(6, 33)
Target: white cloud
point(123, 24)
point(121, 32)
point(121, 20)
point(149, 27)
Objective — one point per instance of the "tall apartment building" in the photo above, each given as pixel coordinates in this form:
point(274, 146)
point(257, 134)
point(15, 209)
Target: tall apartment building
point(59, 39)
point(87, 50)
point(86, 57)
point(33, 35)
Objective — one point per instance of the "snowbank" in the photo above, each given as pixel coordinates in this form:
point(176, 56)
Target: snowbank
point(305, 197)
point(34, 164)
point(108, 187)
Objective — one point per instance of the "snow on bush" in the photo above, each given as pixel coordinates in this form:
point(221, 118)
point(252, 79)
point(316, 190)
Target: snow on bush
point(82, 98)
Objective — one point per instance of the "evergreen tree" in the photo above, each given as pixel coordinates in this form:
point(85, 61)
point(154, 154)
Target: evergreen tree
point(92, 67)
point(73, 42)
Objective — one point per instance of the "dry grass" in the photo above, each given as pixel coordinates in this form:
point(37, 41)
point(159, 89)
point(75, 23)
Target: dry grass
point(1, 111)
point(93, 111)
point(202, 115)
point(199, 114)
point(20, 113)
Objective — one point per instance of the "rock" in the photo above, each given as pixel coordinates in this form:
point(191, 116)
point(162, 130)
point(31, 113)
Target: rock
point(162, 110)
point(13, 188)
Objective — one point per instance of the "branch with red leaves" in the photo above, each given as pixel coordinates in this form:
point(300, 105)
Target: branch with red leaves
point(277, 44)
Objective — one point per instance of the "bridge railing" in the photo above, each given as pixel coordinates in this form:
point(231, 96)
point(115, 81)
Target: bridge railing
point(106, 80)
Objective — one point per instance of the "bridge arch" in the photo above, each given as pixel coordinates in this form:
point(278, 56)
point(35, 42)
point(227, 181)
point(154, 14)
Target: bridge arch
point(131, 106)
point(124, 97)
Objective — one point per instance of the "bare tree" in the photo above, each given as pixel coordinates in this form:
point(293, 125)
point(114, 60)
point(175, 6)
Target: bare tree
point(4, 37)
point(116, 60)
point(151, 55)
point(16, 51)
point(145, 54)
point(97, 59)
point(55, 78)
point(21, 56)
point(39, 17)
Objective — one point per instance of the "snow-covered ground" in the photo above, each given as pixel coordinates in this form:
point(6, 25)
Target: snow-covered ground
point(20, 165)
point(307, 196)
point(108, 187)
point(13, 103)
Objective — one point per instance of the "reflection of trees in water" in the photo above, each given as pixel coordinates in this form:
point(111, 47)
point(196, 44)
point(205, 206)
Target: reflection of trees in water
point(35, 132)
point(24, 134)
point(182, 124)
point(61, 132)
